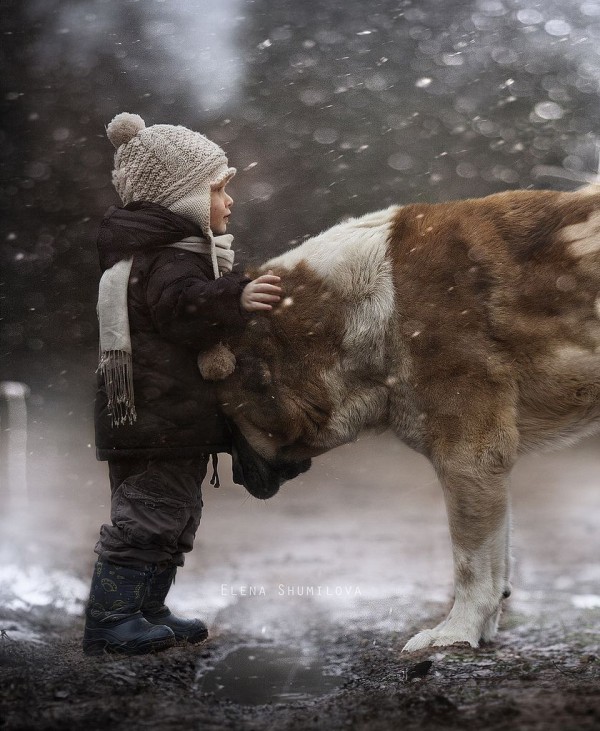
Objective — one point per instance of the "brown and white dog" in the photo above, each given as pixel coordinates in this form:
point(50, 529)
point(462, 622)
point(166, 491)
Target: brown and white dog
point(470, 328)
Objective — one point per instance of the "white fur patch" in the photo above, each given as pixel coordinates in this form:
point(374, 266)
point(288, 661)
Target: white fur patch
point(591, 189)
point(352, 259)
point(583, 238)
point(570, 353)
point(346, 246)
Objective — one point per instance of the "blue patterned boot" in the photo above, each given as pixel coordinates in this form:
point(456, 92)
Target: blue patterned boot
point(155, 611)
point(113, 620)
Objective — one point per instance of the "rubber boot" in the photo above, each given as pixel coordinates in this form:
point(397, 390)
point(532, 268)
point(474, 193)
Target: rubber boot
point(155, 611)
point(113, 620)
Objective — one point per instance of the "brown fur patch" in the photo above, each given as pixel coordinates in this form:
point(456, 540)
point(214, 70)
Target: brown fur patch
point(495, 290)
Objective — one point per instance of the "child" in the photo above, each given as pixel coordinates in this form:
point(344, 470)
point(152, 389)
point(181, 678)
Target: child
point(167, 294)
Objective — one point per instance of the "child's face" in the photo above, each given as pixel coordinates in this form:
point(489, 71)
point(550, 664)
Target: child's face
point(220, 205)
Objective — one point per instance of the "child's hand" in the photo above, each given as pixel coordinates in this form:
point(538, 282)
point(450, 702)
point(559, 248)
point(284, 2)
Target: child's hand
point(261, 292)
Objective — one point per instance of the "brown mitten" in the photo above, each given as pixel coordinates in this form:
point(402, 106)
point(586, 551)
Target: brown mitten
point(217, 363)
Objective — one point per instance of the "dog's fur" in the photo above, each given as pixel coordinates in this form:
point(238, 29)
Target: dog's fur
point(470, 328)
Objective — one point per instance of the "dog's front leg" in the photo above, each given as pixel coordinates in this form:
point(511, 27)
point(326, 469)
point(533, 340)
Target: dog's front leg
point(478, 514)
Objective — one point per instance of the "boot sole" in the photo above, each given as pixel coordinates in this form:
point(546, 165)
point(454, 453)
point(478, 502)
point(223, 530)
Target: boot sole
point(194, 640)
point(100, 647)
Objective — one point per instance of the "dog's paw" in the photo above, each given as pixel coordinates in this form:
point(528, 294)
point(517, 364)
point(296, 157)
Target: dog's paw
point(439, 637)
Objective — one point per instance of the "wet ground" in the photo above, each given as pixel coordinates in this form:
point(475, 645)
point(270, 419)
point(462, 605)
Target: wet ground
point(309, 598)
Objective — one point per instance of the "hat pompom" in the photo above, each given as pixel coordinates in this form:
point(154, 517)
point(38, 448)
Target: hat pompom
point(124, 127)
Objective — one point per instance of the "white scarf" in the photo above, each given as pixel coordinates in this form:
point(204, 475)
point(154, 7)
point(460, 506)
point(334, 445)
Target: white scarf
point(115, 338)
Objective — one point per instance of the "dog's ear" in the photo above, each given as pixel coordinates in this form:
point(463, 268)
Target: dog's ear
point(217, 363)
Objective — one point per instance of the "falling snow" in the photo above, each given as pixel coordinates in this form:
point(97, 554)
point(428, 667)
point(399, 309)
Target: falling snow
point(326, 115)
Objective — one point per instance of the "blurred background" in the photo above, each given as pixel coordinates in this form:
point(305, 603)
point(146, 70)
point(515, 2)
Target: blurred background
point(327, 109)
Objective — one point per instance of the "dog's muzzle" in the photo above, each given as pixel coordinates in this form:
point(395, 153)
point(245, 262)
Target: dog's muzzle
point(260, 477)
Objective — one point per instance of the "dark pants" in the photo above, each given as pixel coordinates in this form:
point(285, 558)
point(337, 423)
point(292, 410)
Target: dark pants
point(156, 506)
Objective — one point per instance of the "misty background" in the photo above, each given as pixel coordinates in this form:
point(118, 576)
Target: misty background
point(328, 109)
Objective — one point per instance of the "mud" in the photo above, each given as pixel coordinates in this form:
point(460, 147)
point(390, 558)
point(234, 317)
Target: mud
point(534, 678)
point(309, 599)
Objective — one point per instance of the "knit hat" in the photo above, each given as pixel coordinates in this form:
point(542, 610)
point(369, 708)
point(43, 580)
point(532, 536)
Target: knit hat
point(167, 164)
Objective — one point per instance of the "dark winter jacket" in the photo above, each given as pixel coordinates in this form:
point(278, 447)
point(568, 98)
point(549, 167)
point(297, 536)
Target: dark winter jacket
point(176, 310)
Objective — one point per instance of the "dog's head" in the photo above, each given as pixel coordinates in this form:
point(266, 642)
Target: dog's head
point(280, 394)
point(277, 402)
point(268, 424)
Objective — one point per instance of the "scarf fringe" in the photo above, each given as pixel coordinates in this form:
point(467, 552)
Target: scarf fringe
point(115, 363)
point(115, 367)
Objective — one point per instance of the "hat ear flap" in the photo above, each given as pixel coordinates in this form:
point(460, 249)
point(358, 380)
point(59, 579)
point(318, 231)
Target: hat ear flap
point(194, 206)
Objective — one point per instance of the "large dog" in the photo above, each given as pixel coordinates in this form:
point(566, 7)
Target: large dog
point(470, 328)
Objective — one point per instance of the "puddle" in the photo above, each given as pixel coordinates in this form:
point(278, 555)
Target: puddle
point(256, 675)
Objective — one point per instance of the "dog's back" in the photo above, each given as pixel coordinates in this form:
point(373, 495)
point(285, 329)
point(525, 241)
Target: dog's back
point(502, 295)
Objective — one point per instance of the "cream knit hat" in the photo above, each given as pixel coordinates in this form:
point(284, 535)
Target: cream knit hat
point(167, 164)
